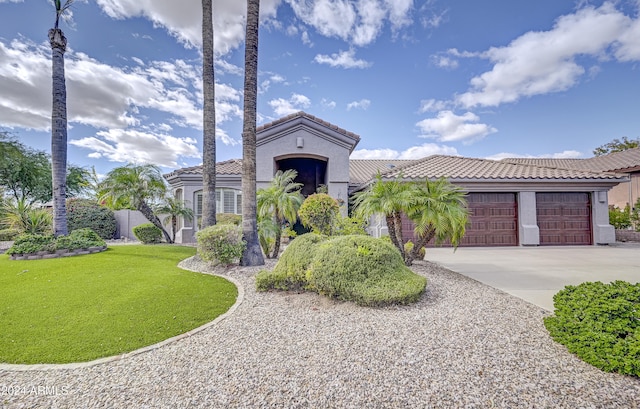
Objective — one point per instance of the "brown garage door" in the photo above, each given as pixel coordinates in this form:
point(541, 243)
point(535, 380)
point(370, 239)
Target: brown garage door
point(564, 218)
point(493, 220)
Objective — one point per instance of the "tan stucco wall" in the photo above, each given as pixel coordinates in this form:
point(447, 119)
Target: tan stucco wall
point(625, 193)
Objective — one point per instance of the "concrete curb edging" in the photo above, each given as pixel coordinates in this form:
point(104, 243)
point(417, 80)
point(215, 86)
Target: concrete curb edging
point(100, 361)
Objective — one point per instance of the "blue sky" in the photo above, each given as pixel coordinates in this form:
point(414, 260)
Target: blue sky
point(485, 79)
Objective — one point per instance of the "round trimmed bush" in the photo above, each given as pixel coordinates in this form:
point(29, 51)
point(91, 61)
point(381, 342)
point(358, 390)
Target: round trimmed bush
point(290, 272)
point(85, 213)
point(319, 212)
point(148, 233)
point(600, 323)
point(221, 243)
point(365, 270)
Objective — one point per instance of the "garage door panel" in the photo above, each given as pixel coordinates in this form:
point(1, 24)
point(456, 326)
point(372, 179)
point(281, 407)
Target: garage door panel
point(564, 218)
point(492, 220)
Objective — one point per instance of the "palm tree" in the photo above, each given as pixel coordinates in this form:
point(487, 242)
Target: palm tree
point(135, 184)
point(390, 198)
point(252, 255)
point(281, 202)
point(58, 43)
point(209, 119)
point(175, 208)
point(439, 211)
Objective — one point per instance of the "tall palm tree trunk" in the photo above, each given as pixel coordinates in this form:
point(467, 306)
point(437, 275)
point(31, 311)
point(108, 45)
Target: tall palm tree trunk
point(252, 255)
point(209, 119)
point(58, 43)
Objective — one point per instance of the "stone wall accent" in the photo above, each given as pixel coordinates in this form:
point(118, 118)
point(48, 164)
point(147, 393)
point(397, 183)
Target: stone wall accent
point(627, 235)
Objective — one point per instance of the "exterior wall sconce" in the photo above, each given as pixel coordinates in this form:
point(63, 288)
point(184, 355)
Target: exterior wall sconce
point(300, 142)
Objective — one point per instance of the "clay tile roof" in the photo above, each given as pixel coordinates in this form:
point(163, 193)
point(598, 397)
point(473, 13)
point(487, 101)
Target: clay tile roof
point(613, 162)
point(454, 167)
point(227, 167)
point(310, 117)
point(363, 170)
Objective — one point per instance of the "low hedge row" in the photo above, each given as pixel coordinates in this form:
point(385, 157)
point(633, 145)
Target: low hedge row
point(77, 239)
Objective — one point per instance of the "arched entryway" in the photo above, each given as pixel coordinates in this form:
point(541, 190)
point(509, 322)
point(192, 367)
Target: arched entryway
point(312, 172)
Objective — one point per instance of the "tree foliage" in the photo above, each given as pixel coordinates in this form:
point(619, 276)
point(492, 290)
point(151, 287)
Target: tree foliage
point(617, 145)
point(25, 173)
point(138, 185)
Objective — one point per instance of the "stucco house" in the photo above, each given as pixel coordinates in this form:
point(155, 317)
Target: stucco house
point(511, 204)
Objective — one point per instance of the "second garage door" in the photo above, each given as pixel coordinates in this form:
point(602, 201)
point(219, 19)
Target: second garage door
point(564, 218)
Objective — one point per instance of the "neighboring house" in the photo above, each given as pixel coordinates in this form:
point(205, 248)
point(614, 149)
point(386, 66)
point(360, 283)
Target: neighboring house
point(511, 204)
point(625, 162)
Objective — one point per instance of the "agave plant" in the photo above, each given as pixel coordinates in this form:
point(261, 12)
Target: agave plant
point(22, 216)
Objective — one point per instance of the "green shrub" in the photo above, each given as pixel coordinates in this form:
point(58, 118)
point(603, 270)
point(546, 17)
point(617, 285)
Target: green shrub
point(221, 243)
point(600, 323)
point(364, 270)
point(290, 272)
point(85, 213)
point(79, 239)
point(319, 212)
point(345, 226)
point(9, 234)
point(148, 233)
point(32, 243)
point(619, 218)
point(228, 218)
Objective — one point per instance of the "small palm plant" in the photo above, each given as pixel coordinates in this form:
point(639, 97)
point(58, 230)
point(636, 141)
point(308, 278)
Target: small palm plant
point(280, 202)
point(437, 208)
point(174, 209)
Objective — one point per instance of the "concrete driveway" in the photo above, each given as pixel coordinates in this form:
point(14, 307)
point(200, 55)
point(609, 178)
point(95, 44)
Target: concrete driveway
point(535, 274)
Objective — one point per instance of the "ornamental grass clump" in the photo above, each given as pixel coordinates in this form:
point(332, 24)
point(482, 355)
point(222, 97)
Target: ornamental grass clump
point(290, 272)
point(600, 323)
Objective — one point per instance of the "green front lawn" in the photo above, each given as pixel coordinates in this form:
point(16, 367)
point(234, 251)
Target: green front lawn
point(86, 307)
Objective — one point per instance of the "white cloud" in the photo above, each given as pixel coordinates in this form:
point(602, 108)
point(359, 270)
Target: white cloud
point(431, 105)
point(449, 127)
point(414, 152)
point(544, 62)
point(283, 107)
point(357, 22)
point(183, 19)
point(444, 61)
point(327, 103)
point(362, 104)
point(119, 145)
point(100, 95)
point(568, 154)
point(343, 59)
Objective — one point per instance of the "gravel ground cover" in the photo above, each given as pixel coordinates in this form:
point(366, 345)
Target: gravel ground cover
point(464, 345)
